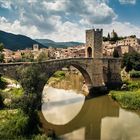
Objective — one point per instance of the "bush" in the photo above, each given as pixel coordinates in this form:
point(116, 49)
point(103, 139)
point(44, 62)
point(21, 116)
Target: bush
point(1, 101)
point(133, 85)
point(13, 124)
point(31, 79)
point(135, 74)
point(115, 53)
point(41, 137)
point(3, 83)
point(59, 74)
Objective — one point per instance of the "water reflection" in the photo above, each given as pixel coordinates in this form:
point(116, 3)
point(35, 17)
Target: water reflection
point(88, 121)
point(61, 106)
point(125, 128)
point(67, 114)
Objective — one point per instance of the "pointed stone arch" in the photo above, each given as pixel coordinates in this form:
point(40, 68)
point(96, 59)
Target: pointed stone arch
point(89, 52)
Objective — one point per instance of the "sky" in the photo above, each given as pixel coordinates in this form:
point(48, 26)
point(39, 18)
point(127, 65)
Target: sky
point(67, 20)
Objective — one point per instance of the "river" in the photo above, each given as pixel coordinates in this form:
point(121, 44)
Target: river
point(70, 116)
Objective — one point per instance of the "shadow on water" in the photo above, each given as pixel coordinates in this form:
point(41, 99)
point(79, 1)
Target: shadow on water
point(62, 102)
point(89, 118)
point(96, 92)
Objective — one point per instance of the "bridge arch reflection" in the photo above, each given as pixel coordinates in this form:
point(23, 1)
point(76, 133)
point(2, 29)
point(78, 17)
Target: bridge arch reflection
point(90, 118)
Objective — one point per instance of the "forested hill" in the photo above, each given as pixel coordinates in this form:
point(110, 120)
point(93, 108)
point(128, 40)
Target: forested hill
point(54, 44)
point(17, 42)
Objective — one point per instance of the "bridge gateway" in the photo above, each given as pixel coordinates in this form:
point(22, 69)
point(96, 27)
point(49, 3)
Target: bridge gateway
point(98, 72)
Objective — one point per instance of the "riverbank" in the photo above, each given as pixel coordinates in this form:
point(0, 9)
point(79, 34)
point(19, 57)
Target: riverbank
point(15, 123)
point(129, 96)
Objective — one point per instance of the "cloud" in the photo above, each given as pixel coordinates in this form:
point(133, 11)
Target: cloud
point(17, 28)
point(127, 1)
point(5, 4)
point(45, 15)
point(68, 31)
point(64, 20)
point(98, 13)
point(52, 16)
point(122, 28)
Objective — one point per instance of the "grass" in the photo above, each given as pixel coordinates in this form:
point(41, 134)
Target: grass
point(130, 97)
point(127, 99)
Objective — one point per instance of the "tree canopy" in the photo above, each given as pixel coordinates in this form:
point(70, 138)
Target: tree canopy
point(1, 54)
point(131, 61)
point(115, 53)
point(1, 47)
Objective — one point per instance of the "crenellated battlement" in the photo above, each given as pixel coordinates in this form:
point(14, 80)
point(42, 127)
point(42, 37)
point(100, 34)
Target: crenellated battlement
point(95, 30)
point(98, 30)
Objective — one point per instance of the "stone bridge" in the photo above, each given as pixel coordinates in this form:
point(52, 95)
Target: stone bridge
point(97, 72)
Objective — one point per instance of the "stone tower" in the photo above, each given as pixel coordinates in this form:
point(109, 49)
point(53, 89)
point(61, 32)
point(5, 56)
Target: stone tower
point(94, 43)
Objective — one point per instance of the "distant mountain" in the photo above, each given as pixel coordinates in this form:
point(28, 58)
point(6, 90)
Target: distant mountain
point(54, 44)
point(17, 42)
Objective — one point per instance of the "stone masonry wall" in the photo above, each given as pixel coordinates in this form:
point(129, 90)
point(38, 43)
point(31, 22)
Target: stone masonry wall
point(112, 72)
point(98, 52)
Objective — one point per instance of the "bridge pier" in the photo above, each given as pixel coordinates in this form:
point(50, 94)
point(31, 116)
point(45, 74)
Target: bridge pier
point(95, 71)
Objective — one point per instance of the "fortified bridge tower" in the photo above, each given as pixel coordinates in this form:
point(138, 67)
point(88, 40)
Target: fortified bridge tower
point(105, 72)
point(93, 50)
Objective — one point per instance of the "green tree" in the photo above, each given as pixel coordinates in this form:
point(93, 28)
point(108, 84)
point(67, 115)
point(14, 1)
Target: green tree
point(114, 36)
point(42, 56)
point(1, 101)
point(31, 78)
point(131, 61)
point(115, 53)
point(105, 38)
point(1, 54)
point(108, 36)
point(1, 47)
point(1, 57)
point(33, 81)
point(29, 57)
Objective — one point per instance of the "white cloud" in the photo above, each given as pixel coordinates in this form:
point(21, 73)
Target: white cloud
point(98, 13)
point(127, 1)
point(67, 31)
point(49, 16)
point(123, 29)
point(5, 4)
point(56, 5)
point(17, 28)
point(40, 13)
point(64, 20)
